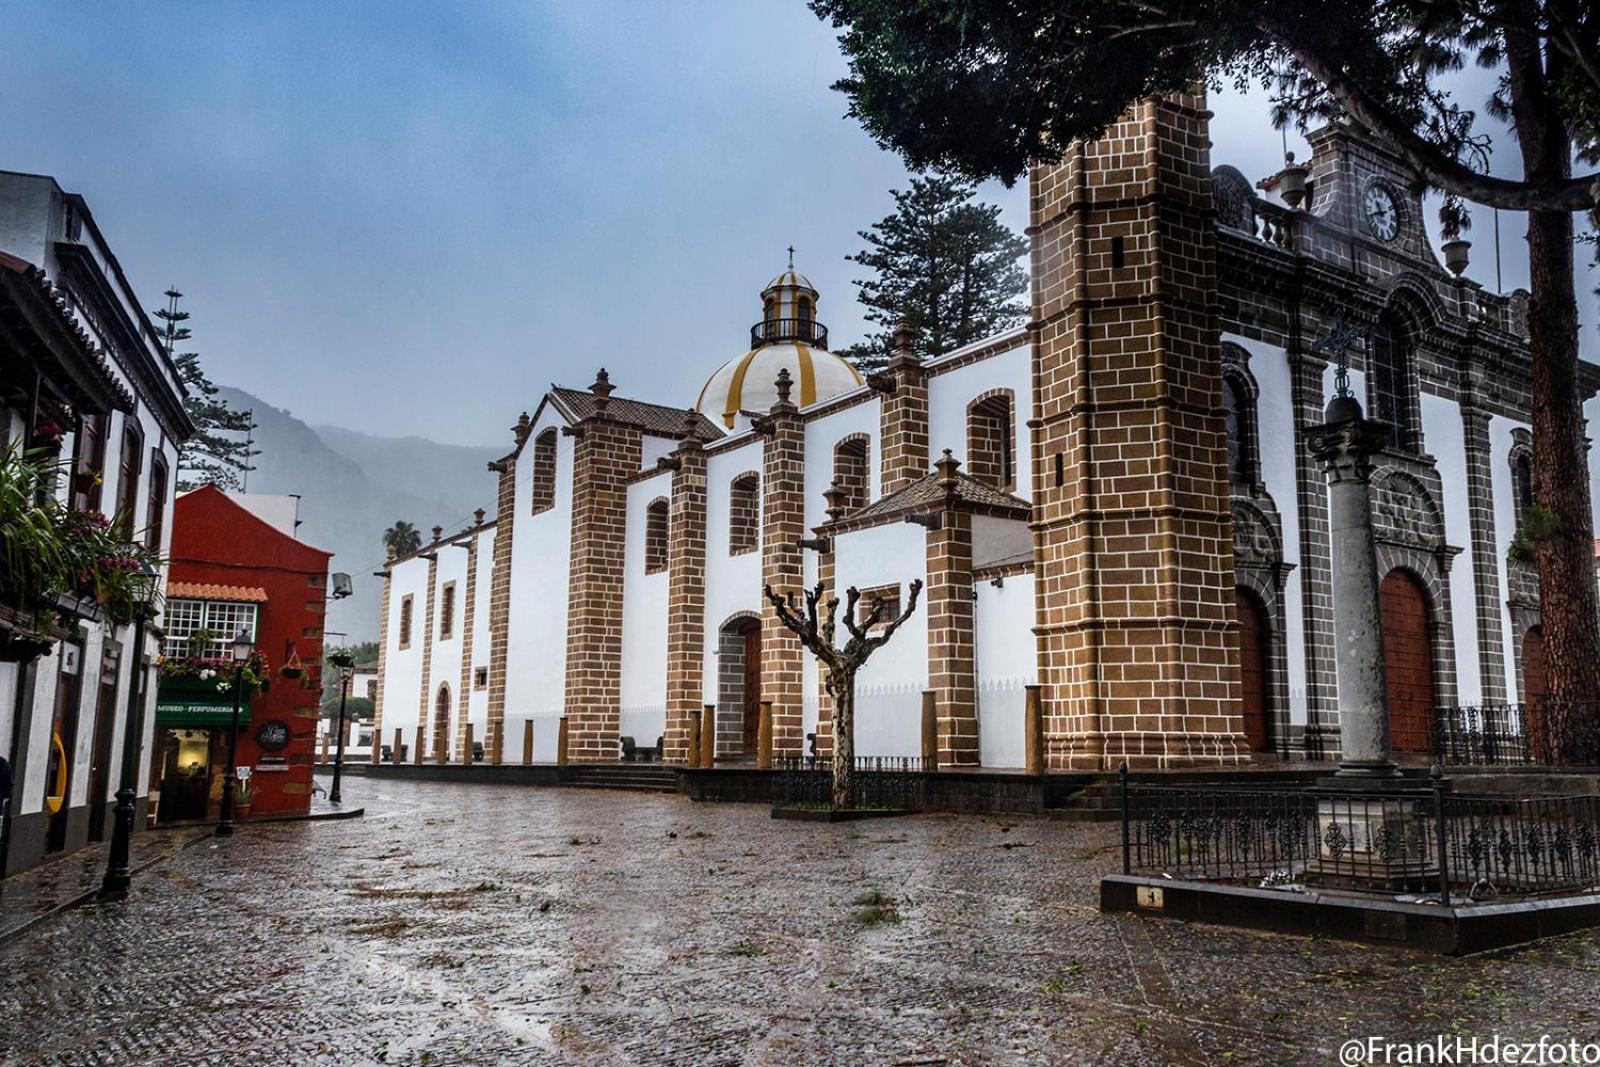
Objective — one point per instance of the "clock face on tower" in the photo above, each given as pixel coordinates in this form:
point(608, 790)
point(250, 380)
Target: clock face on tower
point(1382, 211)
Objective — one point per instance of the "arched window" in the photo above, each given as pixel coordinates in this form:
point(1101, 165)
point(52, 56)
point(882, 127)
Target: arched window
point(850, 470)
point(1390, 379)
point(655, 536)
point(1239, 414)
point(770, 312)
point(991, 440)
point(803, 307)
point(544, 470)
point(1522, 482)
point(744, 510)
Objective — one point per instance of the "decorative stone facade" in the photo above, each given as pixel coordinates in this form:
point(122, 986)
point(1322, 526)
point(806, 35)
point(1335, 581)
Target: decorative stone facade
point(782, 567)
point(686, 597)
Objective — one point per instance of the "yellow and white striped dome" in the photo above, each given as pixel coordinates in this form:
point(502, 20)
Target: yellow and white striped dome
point(788, 337)
point(749, 382)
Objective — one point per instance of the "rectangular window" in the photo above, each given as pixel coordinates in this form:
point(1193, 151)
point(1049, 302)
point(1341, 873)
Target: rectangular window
point(218, 621)
point(128, 479)
point(89, 463)
point(372, 689)
point(405, 621)
point(447, 611)
point(480, 678)
point(889, 595)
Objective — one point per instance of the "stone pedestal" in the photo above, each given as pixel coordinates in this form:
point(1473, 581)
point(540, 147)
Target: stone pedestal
point(1344, 446)
point(1375, 841)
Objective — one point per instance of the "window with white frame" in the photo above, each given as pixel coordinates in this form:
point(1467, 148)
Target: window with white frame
point(221, 619)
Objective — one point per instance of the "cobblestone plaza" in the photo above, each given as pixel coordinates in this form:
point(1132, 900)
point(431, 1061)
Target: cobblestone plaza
point(479, 925)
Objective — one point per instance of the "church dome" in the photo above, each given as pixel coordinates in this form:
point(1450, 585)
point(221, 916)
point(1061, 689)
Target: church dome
point(788, 337)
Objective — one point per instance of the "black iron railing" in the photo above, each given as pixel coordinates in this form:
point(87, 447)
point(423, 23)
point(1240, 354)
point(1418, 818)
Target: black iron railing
point(1425, 840)
point(1545, 733)
point(893, 783)
point(767, 331)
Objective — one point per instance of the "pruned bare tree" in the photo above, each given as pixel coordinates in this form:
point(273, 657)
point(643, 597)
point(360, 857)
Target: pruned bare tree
point(816, 625)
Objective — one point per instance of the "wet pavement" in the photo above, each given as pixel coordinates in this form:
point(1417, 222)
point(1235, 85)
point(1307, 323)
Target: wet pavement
point(479, 924)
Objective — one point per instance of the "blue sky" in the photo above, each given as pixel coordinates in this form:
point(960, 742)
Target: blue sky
point(409, 218)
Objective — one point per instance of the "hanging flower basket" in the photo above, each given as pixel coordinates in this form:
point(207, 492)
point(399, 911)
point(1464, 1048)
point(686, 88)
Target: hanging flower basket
point(293, 667)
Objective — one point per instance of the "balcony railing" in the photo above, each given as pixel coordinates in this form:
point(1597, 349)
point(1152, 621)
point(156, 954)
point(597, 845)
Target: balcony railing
point(809, 331)
point(1547, 733)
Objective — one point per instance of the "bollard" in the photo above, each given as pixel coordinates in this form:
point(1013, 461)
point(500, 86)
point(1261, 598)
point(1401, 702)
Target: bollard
point(1033, 727)
point(466, 751)
point(930, 730)
point(561, 743)
point(708, 735)
point(764, 737)
point(325, 739)
point(399, 745)
point(417, 756)
point(527, 741)
point(694, 741)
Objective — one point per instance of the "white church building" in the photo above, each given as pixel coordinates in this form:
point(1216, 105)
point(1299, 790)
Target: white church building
point(1114, 507)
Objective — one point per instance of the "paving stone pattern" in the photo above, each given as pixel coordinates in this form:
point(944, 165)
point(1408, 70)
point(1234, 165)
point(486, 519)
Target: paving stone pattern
point(467, 924)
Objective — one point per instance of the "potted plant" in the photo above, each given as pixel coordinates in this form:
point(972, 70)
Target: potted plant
point(243, 796)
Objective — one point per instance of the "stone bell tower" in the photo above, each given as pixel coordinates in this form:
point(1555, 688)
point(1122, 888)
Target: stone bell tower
point(1133, 542)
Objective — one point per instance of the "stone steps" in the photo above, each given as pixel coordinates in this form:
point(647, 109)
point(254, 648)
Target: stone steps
point(631, 777)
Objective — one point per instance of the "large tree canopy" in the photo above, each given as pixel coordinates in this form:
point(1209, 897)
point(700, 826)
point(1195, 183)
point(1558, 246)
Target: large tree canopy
point(984, 87)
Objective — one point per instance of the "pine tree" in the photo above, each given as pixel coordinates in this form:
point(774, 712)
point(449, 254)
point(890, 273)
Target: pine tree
point(945, 266)
point(220, 451)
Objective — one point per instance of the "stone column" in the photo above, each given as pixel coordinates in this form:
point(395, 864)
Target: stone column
point(903, 418)
point(1316, 581)
point(686, 592)
point(1485, 554)
point(383, 657)
point(1344, 445)
point(607, 453)
point(505, 521)
point(782, 565)
point(469, 608)
point(952, 660)
point(425, 694)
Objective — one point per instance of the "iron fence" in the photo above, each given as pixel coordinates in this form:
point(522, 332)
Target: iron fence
point(893, 783)
point(1544, 733)
point(1422, 840)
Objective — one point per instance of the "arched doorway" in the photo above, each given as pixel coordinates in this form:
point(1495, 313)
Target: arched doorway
point(1255, 643)
point(1533, 666)
point(738, 686)
point(441, 724)
point(1408, 660)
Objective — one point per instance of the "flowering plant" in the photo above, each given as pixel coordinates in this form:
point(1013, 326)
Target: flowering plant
point(218, 669)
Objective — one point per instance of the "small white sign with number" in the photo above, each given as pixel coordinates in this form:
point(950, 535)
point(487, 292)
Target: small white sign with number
point(243, 773)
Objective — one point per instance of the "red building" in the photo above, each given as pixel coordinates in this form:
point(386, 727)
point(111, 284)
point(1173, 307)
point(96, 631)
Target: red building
point(234, 569)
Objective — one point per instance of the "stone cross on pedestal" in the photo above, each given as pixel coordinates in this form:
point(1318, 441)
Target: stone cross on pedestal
point(1344, 445)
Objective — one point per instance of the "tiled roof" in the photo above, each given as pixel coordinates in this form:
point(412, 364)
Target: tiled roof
point(657, 419)
point(213, 591)
point(928, 494)
point(88, 374)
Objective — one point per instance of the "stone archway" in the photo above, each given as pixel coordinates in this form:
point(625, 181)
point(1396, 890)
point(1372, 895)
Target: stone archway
point(738, 685)
point(1408, 661)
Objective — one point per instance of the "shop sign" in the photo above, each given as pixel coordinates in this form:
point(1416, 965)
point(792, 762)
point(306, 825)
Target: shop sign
point(184, 711)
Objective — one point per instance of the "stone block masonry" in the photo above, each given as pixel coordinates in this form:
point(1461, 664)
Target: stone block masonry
point(686, 597)
point(463, 744)
point(500, 590)
point(1133, 539)
point(783, 568)
point(386, 577)
point(605, 455)
point(951, 652)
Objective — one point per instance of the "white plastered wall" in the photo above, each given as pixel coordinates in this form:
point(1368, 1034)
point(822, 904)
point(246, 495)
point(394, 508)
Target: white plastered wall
point(949, 394)
point(889, 688)
point(1007, 663)
point(733, 583)
point(541, 552)
point(644, 623)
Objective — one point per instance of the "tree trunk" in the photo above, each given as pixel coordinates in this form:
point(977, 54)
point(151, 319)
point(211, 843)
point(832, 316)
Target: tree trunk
point(842, 688)
point(1569, 623)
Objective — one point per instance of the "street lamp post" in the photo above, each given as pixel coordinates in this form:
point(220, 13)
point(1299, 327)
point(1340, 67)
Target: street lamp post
point(118, 876)
point(347, 670)
point(243, 646)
